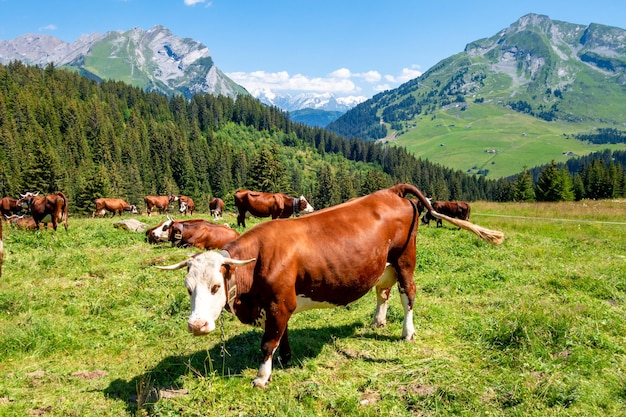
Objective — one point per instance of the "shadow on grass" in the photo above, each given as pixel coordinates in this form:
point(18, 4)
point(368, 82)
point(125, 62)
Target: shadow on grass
point(241, 352)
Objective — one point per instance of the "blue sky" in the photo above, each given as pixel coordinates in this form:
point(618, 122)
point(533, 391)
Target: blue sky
point(353, 48)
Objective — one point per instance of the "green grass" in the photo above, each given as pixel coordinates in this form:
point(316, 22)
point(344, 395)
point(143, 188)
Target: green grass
point(519, 140)
point(534, 327)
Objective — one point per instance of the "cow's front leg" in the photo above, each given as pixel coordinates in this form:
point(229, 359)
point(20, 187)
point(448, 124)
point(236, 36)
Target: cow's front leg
point(285, 349)
point(275, 326)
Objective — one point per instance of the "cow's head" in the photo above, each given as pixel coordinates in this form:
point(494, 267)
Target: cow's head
point(304, 205)
point(183, 206)
point(26, 199)
point(133, 209)
point(161, 232)
point(206, 280)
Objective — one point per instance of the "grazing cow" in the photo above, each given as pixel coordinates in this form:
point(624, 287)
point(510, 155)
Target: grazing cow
point(328, 258)
point(276, 205)
point(216, 206)
point(41, 206)
point(456, 209)
point(9, 206)
point(161, 202)
point(113, 205)
point(185, 204)
point(197, 233)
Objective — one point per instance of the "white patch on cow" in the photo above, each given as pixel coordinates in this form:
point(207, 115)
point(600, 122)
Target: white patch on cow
point(183, 207)
point(160, 234)
point(305, 303)
point(308, 208)
point(265, 371)
point(408, 330)
point(386, 281)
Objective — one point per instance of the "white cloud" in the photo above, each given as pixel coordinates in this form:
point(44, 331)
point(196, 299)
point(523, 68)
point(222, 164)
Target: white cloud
point(341, 82)
point(194, 2)
point(48, 27)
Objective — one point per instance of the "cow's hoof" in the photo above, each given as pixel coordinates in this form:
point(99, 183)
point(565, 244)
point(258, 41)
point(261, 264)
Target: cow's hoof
point(259, 383)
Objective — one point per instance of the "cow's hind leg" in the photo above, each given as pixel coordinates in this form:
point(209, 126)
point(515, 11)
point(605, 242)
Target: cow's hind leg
point(383, 288)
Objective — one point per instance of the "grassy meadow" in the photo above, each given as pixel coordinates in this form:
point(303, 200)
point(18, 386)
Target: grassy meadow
point(462, 140)
point(533, 327)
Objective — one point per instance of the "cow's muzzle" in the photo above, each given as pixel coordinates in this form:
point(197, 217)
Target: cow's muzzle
point(200, 327)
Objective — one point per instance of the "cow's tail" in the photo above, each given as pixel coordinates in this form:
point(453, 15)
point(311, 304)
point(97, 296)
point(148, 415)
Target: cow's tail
point(492, 236)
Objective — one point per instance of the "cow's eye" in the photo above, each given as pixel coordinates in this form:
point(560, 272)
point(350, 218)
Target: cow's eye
point(215, 288)
point(189, 291)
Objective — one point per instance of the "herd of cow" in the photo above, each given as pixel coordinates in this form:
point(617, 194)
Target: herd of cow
point(329, 257)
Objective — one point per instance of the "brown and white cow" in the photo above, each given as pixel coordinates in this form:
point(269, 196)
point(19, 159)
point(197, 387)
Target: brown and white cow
point(9, 206)
point(216, 207)
point(456, 209)
point(194, 233)
point(329, 258)
point(41, 206)
point(274, 205)
point(112, 205)
point(23, 222)
point(161, 202)
point(185, 204)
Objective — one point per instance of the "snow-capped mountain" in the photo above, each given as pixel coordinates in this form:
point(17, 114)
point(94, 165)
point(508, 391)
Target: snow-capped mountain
point(318, 101)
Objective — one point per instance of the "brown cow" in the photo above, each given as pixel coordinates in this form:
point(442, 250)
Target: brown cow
point(161, 202)
point(185, 204)
point(9, 206)
point(216, 206)
point(40, 206)
point(198, 233)
point(456, 209)
point(328, 258)
point(1, 249)
point(22, 222)
point(276, 205)
point(113, 205)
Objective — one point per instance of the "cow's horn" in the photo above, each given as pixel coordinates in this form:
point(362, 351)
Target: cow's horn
point(179, 265)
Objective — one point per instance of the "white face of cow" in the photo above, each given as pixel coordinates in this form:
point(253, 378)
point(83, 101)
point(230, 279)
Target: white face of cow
point(183, 206)
point(309, 207)
point(205, 285)
point(160, 234)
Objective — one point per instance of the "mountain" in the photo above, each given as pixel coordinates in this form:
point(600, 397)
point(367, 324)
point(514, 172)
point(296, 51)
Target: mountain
point(154, 60)
point(319, 101)
point(536, 83)
point(314, 117)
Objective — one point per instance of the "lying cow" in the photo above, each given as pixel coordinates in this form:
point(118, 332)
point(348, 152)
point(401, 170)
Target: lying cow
point(185, 204)
point(274, 205)
point(41, 206)
point(160, 202)
point(24, 223)
point(456, 209)
point(112, 205)
point(216, 206)
point(328, 258)
point(193, 233)
point(9, 206)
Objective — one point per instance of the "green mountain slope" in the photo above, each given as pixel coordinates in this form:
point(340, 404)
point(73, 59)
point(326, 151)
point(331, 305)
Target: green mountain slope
point(512, 100)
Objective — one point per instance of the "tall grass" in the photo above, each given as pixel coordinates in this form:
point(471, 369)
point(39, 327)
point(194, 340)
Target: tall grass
point(89, 326)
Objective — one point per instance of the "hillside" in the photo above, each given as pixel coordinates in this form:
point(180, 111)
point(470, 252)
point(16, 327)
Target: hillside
point(522, 93)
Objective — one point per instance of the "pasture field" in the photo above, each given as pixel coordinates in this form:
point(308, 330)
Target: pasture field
point(533, 327)
point(488, 137)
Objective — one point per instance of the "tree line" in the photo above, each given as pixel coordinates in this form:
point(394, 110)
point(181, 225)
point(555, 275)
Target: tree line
point(60, 131)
